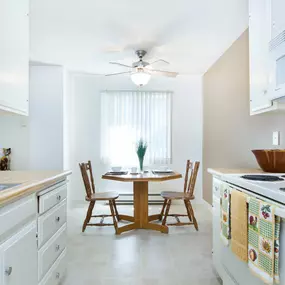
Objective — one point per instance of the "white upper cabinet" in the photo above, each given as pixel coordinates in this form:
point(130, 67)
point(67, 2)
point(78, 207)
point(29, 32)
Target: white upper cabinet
point(14, 56)
point(259, 37)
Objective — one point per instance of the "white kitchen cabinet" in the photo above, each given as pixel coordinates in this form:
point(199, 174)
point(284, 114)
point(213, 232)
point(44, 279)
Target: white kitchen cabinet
point(217, 244)
point(265, 21)
point(18, 256)
point(14, 56)
point(259, 37)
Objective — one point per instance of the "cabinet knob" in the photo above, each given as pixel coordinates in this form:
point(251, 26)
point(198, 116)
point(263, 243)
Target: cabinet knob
point(57, 219)
point(57, 275)
point(8, 271)
point(58, 198)
point(57, 247)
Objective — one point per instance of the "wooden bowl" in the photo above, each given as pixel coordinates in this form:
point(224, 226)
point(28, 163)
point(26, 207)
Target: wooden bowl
point(271, 160)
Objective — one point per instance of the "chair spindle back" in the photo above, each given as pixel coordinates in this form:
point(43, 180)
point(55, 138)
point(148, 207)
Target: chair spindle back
point(87, 176)
point(190, 182)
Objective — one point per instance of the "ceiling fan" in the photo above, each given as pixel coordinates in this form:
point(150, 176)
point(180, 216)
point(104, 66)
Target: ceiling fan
point(141, 70)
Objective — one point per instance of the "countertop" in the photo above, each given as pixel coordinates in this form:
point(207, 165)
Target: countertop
point(30, 182)
point(222, 171)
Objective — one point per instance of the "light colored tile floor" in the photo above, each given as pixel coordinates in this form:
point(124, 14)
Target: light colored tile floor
point(140, 257)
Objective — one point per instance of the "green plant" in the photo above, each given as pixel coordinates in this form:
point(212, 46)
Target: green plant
point(141, 150)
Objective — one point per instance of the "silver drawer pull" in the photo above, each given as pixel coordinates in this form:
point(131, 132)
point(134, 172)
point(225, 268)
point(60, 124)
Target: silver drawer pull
point(58, 198)
point(8, 271)
point(57, 275)
point(57, 247)
point(57, 219)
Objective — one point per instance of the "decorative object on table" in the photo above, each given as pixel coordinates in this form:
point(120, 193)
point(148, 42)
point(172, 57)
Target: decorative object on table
point(161, 171)
point(5, 159)
point(271, 160)
point(141, 150)
point(92, 197)
point(116, 168)
point(225, 214)
point(187, 195)
point(134, 170)
point(239, 231)
point(117, 173)
point(263, 240)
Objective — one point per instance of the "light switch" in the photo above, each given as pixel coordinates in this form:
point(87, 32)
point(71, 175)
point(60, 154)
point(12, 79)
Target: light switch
point(276, 138)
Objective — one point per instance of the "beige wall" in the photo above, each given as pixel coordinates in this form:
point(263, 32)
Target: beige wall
point(229, 133)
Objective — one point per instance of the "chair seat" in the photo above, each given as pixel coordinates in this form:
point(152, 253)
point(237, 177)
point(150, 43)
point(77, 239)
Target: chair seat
point(172, 195)
point(103, 196)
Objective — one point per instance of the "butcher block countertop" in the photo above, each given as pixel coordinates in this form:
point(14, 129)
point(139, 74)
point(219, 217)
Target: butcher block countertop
point(30, 182)
point(222, 171)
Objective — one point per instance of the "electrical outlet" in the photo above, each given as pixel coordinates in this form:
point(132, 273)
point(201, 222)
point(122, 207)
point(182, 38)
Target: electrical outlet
point(276, 138)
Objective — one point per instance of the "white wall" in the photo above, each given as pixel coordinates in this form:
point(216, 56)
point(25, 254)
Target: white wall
point(46, 117)
point(37, 140)
point(85, 127)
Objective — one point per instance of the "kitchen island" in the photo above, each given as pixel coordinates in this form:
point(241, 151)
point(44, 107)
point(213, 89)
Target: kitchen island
point(32, 227)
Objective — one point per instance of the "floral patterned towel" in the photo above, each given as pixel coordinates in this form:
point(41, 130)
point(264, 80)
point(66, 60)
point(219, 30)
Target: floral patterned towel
point(263, 240)
point(225, 213)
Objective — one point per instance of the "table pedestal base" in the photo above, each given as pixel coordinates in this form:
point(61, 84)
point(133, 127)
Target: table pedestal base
point(141, 219)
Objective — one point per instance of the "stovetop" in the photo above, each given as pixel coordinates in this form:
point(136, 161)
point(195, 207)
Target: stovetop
point(268, 185)
point(259, 177)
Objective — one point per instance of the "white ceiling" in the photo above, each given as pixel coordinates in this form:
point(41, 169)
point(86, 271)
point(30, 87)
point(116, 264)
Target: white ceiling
point(85, 35)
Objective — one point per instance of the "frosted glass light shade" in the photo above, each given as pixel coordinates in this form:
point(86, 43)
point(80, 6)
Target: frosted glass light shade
point(140, 77)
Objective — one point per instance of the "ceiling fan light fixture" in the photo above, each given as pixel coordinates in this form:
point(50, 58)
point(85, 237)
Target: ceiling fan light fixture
point(140, 77)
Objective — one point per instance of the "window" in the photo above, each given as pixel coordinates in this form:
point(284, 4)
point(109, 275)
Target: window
point(127, 116)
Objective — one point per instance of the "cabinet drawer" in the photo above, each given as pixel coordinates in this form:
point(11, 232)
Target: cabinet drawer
point(51, 251)
point(50, 222)
point(57, 271)
point(17, 213)
point(52, 198)
point(216, 187)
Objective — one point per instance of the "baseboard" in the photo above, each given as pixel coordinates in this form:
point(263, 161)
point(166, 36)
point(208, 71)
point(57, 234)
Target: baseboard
point(207, 205)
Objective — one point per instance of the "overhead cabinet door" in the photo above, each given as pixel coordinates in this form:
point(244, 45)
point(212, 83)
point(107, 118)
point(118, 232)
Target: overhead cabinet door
point(14, 55)
point(259, 37)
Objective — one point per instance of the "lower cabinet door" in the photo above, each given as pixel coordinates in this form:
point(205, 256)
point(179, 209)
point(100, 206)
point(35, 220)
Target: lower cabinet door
point(19, 258)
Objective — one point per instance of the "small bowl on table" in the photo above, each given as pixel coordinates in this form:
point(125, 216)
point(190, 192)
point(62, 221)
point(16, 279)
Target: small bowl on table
point(270, 160)
point(116, 168)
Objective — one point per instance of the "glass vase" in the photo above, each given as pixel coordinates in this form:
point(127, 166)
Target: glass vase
point(141, 163)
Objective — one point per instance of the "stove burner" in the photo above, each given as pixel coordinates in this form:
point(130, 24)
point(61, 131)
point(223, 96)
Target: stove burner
point(267, 178)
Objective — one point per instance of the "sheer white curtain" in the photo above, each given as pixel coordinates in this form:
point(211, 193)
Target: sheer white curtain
point(127, 116)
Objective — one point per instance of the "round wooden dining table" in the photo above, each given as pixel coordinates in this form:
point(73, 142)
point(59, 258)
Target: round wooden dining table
point(141, 219)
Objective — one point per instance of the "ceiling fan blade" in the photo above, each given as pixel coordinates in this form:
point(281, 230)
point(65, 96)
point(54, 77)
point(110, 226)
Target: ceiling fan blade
point(159, 60)
point(119, 73)
point(163, 73)
point(121, 64)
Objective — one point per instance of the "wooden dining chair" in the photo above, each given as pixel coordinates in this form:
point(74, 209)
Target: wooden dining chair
point(92, 197)
point(187, 195)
